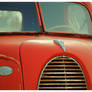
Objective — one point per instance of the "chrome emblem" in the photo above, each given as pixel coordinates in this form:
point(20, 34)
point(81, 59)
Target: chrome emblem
point(5, 70)
point(60, 43)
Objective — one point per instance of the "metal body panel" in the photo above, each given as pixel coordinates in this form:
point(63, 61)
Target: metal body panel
point(31, 53)
point(35, 52)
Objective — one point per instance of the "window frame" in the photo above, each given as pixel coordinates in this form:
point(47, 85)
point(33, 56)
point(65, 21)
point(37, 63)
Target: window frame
point(87, 5)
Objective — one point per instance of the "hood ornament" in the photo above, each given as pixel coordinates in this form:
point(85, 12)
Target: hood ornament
point(60, 43)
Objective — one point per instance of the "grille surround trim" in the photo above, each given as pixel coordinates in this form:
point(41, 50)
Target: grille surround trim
point(54, 59)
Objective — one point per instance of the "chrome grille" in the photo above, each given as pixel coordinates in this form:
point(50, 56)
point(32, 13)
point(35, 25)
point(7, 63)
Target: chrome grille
point(62, 73)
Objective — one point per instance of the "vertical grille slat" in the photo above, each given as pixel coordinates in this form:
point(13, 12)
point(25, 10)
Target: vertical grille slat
point(62, 73)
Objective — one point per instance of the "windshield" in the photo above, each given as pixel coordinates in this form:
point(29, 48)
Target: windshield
point(18, 17)
point(66, 17)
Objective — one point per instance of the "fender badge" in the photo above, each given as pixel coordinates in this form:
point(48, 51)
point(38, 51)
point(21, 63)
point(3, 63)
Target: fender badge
point(60, 43)
point(5, 70)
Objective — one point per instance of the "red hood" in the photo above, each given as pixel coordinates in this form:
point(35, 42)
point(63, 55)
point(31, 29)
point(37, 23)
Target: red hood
point(35, 52)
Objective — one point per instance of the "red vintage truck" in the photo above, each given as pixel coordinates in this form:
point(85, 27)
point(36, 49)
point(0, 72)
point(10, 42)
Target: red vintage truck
point(45, 46)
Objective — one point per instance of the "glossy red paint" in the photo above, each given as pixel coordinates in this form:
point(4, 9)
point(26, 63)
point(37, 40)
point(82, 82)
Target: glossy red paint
point(27, 55)
point(34, 55)
point(39, 52)
point(37, 10)
point(41, 16)
point(35, 52)
point(13, 80)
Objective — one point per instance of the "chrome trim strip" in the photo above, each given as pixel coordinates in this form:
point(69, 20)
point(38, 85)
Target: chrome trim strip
point(60, 43)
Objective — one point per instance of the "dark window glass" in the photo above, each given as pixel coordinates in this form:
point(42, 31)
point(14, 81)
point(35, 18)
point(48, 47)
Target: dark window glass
point(27, 11)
